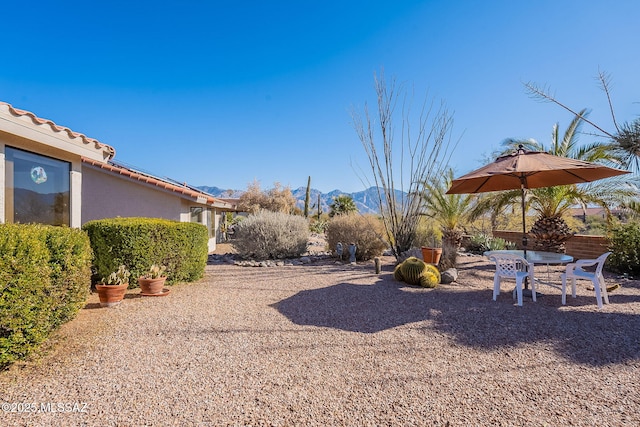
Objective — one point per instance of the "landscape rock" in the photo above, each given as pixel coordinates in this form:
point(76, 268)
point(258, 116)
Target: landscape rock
point(449, 276)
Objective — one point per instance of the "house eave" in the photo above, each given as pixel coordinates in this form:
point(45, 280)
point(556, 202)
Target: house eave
point(27, 125)
point(182, 191)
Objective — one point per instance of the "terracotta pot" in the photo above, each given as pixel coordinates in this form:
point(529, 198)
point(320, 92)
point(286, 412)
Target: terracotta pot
point(151, 286)
point(431, 255)
point(111, 295)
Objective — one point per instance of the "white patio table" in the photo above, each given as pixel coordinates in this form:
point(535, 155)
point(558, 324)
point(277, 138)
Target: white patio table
point(538, 258)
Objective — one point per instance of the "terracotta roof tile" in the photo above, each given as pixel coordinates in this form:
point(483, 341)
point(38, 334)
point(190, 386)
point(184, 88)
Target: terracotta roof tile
point(56, 128)
point(201, 196)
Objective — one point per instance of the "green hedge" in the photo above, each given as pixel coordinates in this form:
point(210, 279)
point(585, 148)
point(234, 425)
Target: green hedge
point(45, 276)
point(624, 244)
point(140, 242)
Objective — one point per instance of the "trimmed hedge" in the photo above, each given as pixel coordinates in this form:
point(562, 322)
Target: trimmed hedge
point(138, 243)
point(45, 276)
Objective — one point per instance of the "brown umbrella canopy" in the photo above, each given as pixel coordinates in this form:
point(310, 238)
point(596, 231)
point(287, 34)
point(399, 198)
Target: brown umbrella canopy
point(530, 169)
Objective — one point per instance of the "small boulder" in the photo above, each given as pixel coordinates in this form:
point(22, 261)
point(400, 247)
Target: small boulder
point(449, 276)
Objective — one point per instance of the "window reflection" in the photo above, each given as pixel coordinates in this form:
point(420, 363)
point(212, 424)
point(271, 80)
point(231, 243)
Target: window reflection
point(36, 188)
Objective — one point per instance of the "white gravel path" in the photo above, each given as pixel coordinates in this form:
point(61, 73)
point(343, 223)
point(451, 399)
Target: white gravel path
point(328, 344)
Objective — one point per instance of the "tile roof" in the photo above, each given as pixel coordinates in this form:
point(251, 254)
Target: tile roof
point(56, 128)
point(183, 189)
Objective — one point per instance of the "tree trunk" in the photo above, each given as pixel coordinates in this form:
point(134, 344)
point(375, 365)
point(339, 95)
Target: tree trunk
point(451, 240)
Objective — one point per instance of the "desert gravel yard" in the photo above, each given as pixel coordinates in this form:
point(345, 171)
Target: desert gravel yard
point(336, 344)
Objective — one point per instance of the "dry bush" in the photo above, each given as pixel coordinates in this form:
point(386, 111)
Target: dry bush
point(277, 199)
point(271, 235)
point(365, 231)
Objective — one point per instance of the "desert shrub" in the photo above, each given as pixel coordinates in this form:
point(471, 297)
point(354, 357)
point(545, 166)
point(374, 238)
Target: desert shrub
point(138, 243)
point(595, 226)
point(45, 276)
point(365, 231)
point(479, 243)
point(271, 235)
point(624, 243)
point(318, 226)
point(427, 234)
point(277, 199)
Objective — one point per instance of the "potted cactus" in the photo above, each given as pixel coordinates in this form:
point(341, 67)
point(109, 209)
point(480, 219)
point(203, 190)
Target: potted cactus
point(112, 289)
point(152, 282)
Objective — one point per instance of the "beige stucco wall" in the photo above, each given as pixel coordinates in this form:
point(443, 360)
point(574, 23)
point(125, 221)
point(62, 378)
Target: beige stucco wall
point(105, 195)
point(108, 195)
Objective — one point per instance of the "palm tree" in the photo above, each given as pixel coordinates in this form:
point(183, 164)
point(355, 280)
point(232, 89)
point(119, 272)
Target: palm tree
point(342, 204)
point(627, 141)
point(624, 142)
point(550, 203)
point(450, 211)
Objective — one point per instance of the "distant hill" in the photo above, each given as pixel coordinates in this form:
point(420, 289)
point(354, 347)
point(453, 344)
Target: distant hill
point(366, 201)
point(221, 192)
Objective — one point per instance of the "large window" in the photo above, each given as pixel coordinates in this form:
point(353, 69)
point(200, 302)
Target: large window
point(36, 188)
point(203, 216)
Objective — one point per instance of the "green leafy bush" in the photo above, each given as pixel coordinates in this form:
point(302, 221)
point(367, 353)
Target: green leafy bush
point(138, 243)
point(366, 231)
point(45, 276)
point(271, 235)
point(624, 244)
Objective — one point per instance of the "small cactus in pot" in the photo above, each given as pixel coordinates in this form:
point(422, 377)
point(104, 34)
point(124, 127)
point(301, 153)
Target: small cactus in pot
point(152, 282)
point(112, 289)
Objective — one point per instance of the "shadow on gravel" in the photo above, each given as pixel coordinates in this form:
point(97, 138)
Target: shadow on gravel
point(355, 308)
point(587, 337)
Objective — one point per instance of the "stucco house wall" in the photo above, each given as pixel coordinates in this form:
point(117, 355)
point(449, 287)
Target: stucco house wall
point(108, 196)
point(96, 187)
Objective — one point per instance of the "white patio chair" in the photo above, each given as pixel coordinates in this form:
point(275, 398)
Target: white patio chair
point(510, 266)
point(575, 271)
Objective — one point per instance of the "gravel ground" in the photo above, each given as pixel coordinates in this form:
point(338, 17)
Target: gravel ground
point(336, 344)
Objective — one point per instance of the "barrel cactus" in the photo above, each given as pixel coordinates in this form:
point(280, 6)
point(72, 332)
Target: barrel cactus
point(429, 280)
point(414, 271)
point(397, 274)
point(434, 270)
point(412, 268)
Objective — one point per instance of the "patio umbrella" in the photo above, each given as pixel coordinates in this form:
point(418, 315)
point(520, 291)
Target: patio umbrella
point(529, 169)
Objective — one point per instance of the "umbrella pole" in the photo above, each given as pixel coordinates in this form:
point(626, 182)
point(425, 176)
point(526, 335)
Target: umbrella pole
point(525, 241)
point(524, 232)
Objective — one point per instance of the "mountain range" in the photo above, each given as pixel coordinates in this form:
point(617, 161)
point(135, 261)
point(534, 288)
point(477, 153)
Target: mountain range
point(366, 201)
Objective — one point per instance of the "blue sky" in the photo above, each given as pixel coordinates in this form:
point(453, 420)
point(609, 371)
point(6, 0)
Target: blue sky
point(223, 93)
